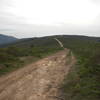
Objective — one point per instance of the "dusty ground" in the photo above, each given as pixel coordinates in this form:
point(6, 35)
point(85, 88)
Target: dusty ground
point(38, 81)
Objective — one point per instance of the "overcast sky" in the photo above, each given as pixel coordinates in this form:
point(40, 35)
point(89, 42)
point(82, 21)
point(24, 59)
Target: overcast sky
point(29, 18)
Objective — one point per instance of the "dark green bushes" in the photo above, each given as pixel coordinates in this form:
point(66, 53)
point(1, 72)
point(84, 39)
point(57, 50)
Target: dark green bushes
point(83, 82)
point(10, 57)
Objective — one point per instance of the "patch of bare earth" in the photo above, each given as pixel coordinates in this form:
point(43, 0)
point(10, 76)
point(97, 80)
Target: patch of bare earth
point(38, 81)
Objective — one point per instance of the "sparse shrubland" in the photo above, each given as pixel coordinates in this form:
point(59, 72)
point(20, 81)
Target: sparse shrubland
point(14, 57)
point(83, 81)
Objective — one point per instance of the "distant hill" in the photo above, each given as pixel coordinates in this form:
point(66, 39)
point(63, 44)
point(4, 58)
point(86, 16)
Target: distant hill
point(49, 41)
point(4, 39)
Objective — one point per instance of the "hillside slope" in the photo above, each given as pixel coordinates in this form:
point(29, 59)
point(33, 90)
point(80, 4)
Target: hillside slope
point(38, 81)
point(4, 39)
point(82, 82)
point(49, 41)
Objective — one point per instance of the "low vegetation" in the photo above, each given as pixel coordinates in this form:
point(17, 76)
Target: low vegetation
point(14, 57)
point(83, 81)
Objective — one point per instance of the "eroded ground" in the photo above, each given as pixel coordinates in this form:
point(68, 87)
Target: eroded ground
point(38, 81)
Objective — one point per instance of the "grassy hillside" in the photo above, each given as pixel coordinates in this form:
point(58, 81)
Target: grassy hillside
point(82, 83)
point(14, 57)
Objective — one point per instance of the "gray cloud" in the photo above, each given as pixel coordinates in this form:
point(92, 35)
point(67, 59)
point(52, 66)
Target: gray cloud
point(17, 26)
point(96, 1)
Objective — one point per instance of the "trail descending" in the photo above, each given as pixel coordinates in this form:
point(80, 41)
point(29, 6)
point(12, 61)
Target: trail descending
point(38, 81)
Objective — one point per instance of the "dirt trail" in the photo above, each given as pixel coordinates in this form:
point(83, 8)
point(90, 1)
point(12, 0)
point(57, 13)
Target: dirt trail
point(38, 81)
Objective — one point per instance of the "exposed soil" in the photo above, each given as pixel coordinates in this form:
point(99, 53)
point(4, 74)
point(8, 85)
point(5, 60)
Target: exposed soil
point(38, 81)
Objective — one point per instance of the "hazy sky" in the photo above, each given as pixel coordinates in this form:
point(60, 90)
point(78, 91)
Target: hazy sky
point(29, 18)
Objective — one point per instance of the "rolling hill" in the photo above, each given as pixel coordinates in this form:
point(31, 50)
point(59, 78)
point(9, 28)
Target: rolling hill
point(6, 39)
point(83, 80)
point(44, 41)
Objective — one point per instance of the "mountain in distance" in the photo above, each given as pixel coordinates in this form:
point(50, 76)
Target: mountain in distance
point(47, 41)
point(4, 39)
